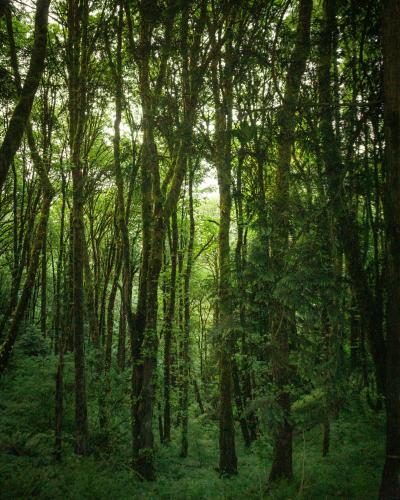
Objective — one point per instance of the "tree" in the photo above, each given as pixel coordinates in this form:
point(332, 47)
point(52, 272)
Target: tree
point(77, 54)
point(15, 130)
point(390, 485)
point(281, 321)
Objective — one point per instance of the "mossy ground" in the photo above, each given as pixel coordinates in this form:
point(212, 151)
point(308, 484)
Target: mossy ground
point(28, 469)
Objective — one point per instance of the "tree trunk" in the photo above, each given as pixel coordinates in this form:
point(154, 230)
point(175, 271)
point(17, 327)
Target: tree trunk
point(185, 355)
point(168, 328)
point(239, 405)
point(281, 324)
point(390, 485)
point(77, 61)
point(223, 122)
point(43, 288)
point(198, 396)
point(19, 119)
point(121, 353)
point(58, 298)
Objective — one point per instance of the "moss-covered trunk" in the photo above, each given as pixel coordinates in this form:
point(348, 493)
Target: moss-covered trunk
point(281, 321)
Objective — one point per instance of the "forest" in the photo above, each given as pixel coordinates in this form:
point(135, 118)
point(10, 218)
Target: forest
point(200, 249)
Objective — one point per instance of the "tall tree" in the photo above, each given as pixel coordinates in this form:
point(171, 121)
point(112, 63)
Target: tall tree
point(159, 199)
point(16, 128)
point(281, 321)
point(77, 60)
point(346, 222)
point(222, 93)
point(185, 354)
point(390, 485)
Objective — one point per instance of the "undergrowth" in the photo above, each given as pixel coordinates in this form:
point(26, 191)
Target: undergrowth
point(28, 468)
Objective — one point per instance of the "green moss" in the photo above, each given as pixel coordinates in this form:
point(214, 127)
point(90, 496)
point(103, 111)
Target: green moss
point(27, 467)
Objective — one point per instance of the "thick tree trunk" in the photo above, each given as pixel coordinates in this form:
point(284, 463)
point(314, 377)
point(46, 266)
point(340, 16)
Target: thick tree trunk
point(77, 68)
point(227, 450)
point(16, 128)
point(390, 485)
point(122, 215)
point(78, 312)
point(281, 324)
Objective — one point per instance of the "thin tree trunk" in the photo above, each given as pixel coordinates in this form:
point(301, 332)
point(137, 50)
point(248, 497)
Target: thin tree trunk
point(43, 288)
point(23, 302)
point(121, 352)
point(57, 320)
point(247, 424)
point(185, 354)
point(59, 399)
point(168, 328)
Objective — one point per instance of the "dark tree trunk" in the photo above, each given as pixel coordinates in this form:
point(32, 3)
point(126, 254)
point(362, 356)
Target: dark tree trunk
point(122, 215)
point(281, 323)
point(77, 68)
point(223, 122)
point(243, 396)
point(19, 119)
point(43, 288)
point(58, 298)
point(168, 328)
point(59, 398)
point(390, 485)
point(326, 437)
point(185, 355)
point(157, 207)
point(197, 395)
point(121, 353)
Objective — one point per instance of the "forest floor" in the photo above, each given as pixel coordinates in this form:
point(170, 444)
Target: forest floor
point(28, 469)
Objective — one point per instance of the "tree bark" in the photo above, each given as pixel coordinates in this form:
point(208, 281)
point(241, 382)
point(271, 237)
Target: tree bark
point(223, 123)
point(19, 119)
point(77, 68)
point(185, 354)
point(168, 328)
point(281, 324)
point(390, 485)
